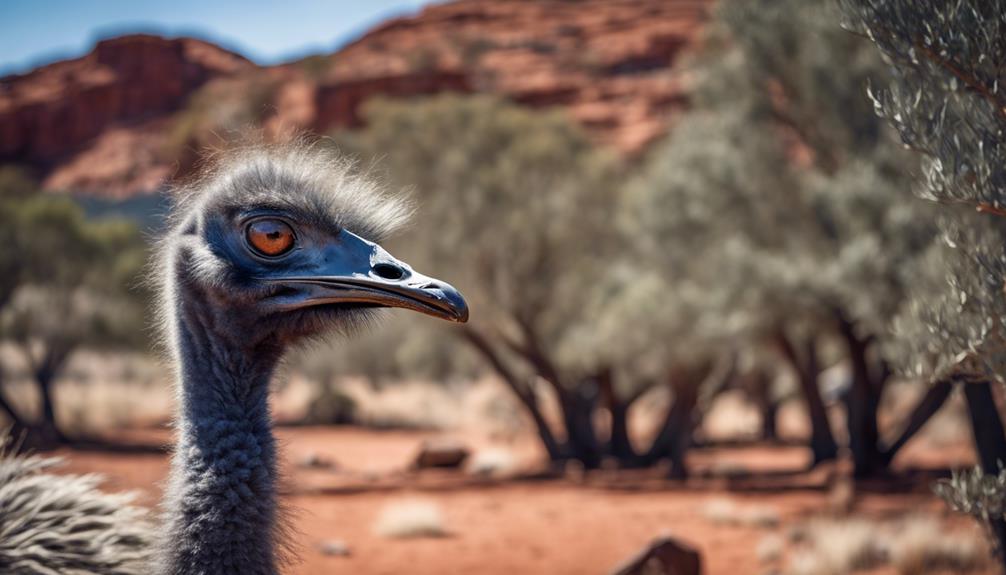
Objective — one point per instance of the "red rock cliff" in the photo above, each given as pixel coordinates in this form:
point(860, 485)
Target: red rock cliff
point(55, 109)
point(115, 121)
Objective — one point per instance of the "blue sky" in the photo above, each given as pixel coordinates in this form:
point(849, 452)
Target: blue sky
point(34, 32)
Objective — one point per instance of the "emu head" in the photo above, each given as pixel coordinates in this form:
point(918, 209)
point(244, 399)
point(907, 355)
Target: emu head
point(277, 244)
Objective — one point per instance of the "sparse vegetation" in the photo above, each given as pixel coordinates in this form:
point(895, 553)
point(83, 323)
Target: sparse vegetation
point(922, 546)
point(914, 545)
point(488, 170)
point(495, 462)
point(788, 203)
point(943, 96)
point(728, 512)
point(69, 281)
point(770, 548)
point(771, 285)
point(410, 519)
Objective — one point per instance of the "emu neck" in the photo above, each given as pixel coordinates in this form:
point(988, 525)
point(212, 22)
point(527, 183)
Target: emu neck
point(221, 500)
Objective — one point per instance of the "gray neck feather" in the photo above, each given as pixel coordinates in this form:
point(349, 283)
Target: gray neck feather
point(220, 503)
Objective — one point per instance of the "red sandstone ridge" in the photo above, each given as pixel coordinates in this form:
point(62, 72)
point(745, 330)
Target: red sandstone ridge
point(611, 63)
point(124, 118)
point(54, 109)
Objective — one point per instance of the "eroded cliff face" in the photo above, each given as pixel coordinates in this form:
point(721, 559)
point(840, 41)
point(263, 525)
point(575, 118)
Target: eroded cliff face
point(51, 111)
point(611, 63)
point(135, 111)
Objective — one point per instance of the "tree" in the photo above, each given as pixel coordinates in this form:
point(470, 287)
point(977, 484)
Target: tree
point(520, 205)
point(15, 185)
point(67, 284)
point(943, 95)
point(783, 192)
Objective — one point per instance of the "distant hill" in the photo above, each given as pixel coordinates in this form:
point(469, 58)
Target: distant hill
point(131, 114)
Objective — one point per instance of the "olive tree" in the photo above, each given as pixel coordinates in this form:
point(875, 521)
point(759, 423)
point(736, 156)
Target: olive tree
point(784, 192)
point(67, 284)
point(943, 95)
point(521, 206)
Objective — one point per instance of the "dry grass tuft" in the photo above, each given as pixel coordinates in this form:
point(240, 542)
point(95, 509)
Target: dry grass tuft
point(492, 462)
point(410, 519)
point(915, 545)
point(839, 547)
point(728, 512)
point(923, 546)
point(770, 549)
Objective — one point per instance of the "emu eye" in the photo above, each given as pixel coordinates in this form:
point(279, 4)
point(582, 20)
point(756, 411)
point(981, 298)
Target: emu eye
point(270, 237)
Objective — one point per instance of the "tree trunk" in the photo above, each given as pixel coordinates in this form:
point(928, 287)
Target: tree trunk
point(578, 414)
point(934, 399)
point(45, 370)
point(18, 425)
point(769, 414)
point(524, 392)
point(552, 448)
point(822, 441)
point(681, 419)
point(990, 443)
point(675, 435)
point(15, 418)
point(48, 429)
point(619, 442)
point(759, 389)
point(862, 402)
point(48, 407)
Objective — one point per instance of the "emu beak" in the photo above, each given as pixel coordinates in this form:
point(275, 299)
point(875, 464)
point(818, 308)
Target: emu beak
point(355, 271)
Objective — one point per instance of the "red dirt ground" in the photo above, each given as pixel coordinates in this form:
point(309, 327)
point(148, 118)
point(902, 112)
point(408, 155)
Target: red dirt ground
point(568, 526)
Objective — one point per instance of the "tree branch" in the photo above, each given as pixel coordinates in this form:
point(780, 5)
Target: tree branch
point(930, 403)
point(967, 79)
point(8, 408)
point(524, 392)
point(986, 208)
point(533, 352)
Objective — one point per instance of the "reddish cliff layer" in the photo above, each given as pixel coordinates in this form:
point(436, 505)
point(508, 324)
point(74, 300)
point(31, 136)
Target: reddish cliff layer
point(610, 62)
point(53, 110)
point(128, 115)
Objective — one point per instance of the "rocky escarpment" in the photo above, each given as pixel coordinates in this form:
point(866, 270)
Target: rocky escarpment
point(135, 111)
point(53, 110)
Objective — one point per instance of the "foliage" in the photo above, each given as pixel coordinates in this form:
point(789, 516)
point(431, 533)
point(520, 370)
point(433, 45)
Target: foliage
point(787, 203)
point(407, 348)
point(782, 195)
point(518, 204)
point(944, 99)
point(525, 194)
point(517, 210)
point(68, 268)
point(783, 177)
point(67, 282)
point(943, 96)
point(976, 493)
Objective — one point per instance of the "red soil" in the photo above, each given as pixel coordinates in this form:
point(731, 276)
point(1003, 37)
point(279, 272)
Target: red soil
point(558, 526)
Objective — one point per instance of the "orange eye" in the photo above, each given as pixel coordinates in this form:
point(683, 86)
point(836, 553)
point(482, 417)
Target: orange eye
point(270, 237)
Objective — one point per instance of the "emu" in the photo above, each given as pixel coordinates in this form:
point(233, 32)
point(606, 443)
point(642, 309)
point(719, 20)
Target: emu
point(272, 247)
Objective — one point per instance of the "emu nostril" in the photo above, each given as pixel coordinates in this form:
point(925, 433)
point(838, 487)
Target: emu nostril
point(389, 271)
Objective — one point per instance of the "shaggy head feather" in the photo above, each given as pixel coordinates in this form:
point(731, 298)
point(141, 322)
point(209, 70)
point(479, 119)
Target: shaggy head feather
point(318, 187)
